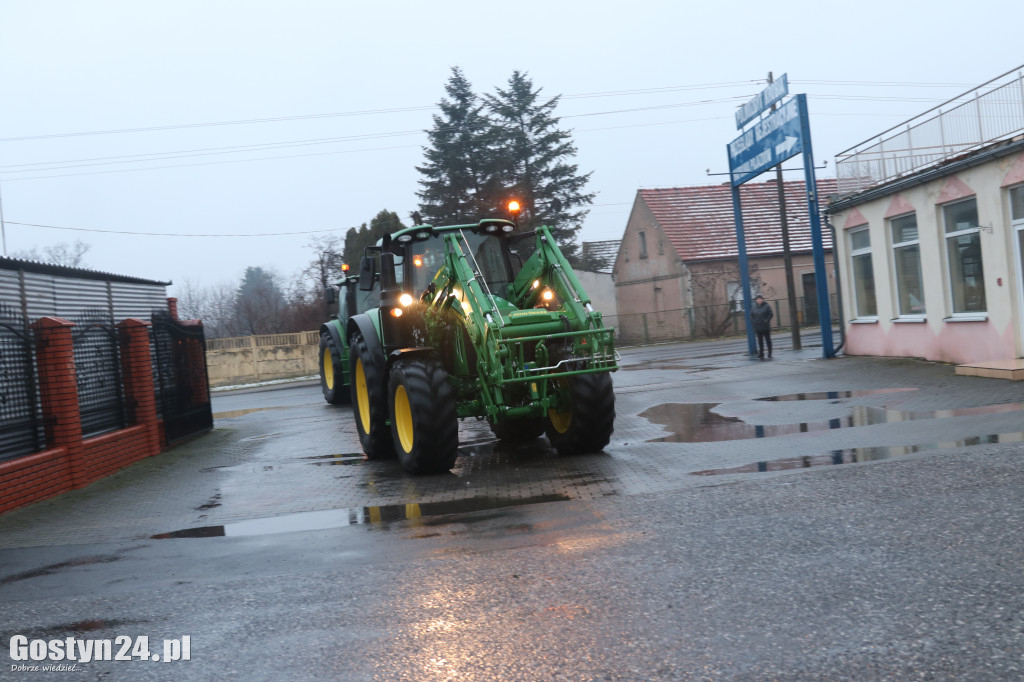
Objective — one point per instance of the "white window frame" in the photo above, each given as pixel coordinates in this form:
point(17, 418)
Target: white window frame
point(900, 315)
point(1017, 233)
point(854, 253)
point(965, 315)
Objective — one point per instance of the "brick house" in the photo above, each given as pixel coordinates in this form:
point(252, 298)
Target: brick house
point(677, 274)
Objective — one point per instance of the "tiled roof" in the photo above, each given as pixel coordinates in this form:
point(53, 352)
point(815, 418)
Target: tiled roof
point(605, 251)
point(699, 220)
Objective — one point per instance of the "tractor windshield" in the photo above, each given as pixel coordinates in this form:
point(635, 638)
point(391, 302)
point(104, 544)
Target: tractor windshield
point(484, 252)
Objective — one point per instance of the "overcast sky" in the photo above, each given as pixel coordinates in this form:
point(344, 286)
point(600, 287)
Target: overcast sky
point(261, 117)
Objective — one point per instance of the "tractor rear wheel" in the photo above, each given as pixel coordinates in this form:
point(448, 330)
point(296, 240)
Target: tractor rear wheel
point(369, 399)
point(331, 374)
point(586, 424)
point(424, 424)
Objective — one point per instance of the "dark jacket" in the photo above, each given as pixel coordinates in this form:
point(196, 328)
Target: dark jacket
point(761, 317)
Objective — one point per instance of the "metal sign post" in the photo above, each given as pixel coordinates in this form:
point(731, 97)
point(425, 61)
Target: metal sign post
point(773, 139)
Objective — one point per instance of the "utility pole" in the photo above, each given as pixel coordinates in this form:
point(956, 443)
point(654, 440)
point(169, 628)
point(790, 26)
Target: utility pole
point(3, 227)
point(787, 257)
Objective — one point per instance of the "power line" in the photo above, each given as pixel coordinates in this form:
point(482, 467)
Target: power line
point(172, 234)
point(393, 110)
point(209, 163)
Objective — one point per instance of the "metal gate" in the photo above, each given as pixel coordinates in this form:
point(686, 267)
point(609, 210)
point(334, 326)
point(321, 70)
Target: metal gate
point(182, 386)
point(21, 420)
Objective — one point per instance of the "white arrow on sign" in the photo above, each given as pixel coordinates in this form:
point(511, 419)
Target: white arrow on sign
point(784, 147)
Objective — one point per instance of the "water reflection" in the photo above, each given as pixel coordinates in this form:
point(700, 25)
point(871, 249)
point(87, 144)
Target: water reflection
point(701, 423)
point(854, 455)
point(338, 518)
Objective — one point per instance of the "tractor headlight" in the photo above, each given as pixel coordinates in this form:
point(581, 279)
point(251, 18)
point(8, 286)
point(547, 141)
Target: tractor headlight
point(547, 295)
point(405, 300)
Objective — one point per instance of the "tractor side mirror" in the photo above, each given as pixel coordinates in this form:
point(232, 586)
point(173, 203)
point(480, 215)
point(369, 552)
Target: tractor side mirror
point(331, 295)
point(366, 273)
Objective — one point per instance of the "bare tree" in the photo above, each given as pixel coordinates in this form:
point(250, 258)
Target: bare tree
point(67, 254)
point(214, 305)
point(713, 301)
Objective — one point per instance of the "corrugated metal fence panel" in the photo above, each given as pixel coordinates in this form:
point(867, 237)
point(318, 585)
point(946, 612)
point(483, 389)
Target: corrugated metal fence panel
point(77, 296)
point(137, 300)
point(41, 298)
point(70, 297)
point(10, 289)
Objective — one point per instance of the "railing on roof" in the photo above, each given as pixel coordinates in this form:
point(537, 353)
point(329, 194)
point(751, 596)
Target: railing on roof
point(985, 114)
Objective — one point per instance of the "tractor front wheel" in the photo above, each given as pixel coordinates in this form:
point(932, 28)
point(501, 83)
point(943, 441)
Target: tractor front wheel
point(585, 423)
point(369, 399)
point(331, 374)
point(424, 424)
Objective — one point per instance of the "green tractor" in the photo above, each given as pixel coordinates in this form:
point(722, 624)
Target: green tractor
point(444, 323)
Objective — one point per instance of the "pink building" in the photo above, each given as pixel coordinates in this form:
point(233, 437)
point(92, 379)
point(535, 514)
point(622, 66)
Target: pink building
point(931, 215)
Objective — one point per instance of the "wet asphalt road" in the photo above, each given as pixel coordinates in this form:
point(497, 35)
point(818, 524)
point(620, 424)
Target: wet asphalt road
point(725, 533)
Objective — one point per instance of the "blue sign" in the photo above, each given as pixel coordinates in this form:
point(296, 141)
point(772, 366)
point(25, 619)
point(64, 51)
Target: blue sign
point(761, 101)
point(767, 143)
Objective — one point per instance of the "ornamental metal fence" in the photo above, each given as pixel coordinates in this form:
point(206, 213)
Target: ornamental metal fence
point(21, 419)
point(98, 369)
point(988, 113)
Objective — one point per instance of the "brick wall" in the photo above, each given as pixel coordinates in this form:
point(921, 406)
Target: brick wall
point(71, 462)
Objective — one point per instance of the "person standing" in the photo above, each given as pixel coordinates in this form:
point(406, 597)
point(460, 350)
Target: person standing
point(761, 317)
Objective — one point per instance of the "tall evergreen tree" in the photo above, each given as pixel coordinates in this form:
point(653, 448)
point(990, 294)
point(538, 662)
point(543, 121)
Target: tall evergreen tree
point(458, 173)
point(259, 302)
point(385, 222)
point(534, 156)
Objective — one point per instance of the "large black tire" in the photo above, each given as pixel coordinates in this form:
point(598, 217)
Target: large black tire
point(519, 430)
point(588, 423)
point(370, 399)
point(424, 424)
point(331, 372)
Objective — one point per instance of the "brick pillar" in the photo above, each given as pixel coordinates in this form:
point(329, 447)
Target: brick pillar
point(172, 308)
point(137, 369)
point(58, 391)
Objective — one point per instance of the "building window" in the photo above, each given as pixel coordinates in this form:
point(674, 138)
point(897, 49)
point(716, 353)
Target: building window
point(963, 252)
point(1017, 204)
point(643, 244)
point(863, 273)
point(734, 290)
point(906, 254)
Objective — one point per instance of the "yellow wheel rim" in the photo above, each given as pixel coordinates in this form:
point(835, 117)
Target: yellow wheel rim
point(560, 420)
point(362, 397)
point(403, 418)
point(328, 369)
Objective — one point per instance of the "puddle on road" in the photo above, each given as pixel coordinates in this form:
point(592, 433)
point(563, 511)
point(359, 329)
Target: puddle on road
point(231, 414)
point(344, 459)
point(833, 395)
point(95, 625)
point(57, 568)
point(699, 423)
point(339, 518)
point(654, 365)
point(855, 455)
